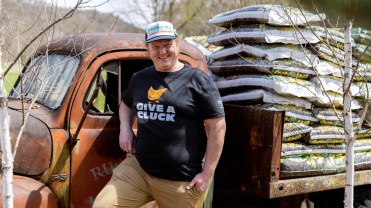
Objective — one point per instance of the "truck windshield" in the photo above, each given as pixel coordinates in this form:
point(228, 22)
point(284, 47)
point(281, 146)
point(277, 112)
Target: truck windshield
point(47, 79)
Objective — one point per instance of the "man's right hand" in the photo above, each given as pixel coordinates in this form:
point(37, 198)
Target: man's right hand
point(127, 136)
point(127, 140)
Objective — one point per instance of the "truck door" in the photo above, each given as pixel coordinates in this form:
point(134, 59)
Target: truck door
point(95, 151)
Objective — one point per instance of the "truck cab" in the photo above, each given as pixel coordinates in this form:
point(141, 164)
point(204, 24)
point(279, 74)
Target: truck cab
point(69, 93)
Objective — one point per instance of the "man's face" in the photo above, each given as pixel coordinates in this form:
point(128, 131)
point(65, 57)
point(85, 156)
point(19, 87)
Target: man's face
point(164, 54)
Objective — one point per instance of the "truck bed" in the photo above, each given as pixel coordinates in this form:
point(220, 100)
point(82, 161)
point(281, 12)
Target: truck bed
point(250, 162)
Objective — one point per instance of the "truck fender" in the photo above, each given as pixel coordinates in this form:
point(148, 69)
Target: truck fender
point(31, 193)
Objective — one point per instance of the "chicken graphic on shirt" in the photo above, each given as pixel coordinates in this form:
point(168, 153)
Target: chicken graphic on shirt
point(154, 95)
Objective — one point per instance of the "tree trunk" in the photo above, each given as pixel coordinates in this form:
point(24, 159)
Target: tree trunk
point(348, 127)
point(7, 158)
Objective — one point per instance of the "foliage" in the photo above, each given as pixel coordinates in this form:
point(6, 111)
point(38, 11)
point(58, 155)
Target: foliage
point(190, 17)
point(22, 20)
point(338, 10)
point(9, 80)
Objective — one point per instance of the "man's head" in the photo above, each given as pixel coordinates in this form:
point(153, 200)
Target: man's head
point(160, 30)
point(163, 46)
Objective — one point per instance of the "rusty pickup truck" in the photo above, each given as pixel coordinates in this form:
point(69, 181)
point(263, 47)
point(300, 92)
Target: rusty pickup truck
point(69, 145)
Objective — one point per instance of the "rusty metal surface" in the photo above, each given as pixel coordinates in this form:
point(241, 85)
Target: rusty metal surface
point(93, 45)
point(31, 193)
point(93, 159)
point(252, 150)
point(58, 176)
point(250, 162)
point(296, 186)
point(35, 146)
point(53, 118)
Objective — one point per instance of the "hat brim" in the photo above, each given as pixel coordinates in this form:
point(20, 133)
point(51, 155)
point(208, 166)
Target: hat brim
point(162, 37)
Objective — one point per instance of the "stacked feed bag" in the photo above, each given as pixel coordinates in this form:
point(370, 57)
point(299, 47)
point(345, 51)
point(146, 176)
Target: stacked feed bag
point(200, 42)
point(329, 129)
point(362, 53)
point(330, 51)
point(362, 48)
point(270, 57)
point(265, 44)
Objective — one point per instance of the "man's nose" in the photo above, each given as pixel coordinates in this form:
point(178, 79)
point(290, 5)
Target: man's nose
point(162, 50)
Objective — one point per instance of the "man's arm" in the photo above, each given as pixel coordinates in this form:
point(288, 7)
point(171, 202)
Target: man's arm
point(127, 136)
point(215, 129)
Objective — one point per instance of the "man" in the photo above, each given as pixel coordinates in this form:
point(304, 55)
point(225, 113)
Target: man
point(180, 124)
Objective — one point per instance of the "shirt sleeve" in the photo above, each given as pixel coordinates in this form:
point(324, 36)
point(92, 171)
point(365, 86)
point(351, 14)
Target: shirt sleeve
point(209, 99)
point(127, 94)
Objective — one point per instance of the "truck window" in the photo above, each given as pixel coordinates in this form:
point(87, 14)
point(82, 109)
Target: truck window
point(47, 79)
point(108, 78)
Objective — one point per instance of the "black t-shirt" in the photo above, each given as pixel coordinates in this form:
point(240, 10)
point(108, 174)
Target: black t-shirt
point(171, 108)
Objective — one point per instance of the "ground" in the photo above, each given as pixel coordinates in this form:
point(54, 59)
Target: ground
point(335, 198)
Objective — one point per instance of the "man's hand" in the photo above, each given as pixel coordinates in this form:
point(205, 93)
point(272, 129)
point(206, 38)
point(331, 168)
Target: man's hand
point(127, 136)
point(215, 128)
point(127, 140)
point(201, 181)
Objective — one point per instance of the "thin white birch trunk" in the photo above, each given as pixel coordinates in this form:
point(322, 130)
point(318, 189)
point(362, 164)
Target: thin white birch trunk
point(7, 158)
point(348, 127)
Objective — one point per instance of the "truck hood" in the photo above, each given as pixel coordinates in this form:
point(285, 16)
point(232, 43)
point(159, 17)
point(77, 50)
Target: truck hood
point(34, 150)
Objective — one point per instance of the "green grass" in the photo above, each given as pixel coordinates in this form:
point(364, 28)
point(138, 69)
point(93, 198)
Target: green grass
point(10, 79)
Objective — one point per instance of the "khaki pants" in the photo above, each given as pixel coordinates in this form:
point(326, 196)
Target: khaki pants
point(130, 186)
